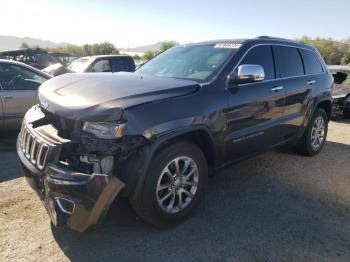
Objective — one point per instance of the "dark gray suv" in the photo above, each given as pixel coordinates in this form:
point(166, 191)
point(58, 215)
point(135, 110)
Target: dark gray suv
point(155, 134)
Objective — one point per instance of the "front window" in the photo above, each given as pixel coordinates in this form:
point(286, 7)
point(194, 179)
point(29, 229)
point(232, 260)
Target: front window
point(19, 78)
point(194, 62)
point(79, 65)
point(102, 66)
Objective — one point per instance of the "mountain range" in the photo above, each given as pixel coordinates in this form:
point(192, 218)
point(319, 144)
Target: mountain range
point(13, 42)
point(151, 47)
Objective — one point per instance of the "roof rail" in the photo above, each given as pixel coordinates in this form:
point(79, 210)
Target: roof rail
point(275, 38)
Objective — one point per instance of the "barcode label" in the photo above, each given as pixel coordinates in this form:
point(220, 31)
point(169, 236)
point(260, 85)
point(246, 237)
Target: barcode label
point(227, 45)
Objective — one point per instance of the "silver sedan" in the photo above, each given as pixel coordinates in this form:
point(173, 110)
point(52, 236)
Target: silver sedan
point(18, 91)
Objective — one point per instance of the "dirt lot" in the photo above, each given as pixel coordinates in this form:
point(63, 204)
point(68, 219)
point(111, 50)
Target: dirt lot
point(276, 207)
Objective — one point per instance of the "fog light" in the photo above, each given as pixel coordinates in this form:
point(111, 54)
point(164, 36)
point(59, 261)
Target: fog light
point(65, 205)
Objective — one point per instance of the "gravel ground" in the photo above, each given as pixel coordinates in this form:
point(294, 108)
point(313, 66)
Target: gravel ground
point(276, 207)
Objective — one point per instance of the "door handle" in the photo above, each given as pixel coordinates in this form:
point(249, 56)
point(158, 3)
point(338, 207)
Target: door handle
point(7, 97)
point(277, 88)
point(311, 82)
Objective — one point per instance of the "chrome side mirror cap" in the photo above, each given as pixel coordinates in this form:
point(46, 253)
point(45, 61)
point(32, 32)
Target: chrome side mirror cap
point(247, 73)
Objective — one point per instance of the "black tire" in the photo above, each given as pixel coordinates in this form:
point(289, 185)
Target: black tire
point(146, 205)
point(304, 145)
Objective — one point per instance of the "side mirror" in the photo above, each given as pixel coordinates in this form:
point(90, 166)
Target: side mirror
point(247, 74)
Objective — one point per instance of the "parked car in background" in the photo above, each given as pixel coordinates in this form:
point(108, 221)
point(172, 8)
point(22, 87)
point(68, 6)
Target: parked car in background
point(341, 90)
point(18, 91)
point(153, 135)
point(139, 63)
point(35, 57)
point(64, 58)
point(103, 63)
point(95, 64)
point(56, 69)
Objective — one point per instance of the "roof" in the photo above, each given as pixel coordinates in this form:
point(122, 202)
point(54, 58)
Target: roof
point(23, 51)
point(59, 54)
point(259, 39)
point(107, 56)
point(213, 42)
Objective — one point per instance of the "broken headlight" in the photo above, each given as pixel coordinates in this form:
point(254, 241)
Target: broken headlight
point(104, 130)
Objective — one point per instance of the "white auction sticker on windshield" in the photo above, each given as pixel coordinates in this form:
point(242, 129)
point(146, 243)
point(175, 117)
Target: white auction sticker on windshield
point(228, 45)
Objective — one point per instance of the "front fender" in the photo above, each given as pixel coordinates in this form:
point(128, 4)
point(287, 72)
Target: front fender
point(134, 184)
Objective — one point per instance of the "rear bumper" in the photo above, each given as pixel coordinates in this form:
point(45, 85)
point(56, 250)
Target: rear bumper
point(76, 200)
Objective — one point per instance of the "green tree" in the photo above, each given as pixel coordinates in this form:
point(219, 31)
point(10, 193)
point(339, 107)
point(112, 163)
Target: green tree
point(136, 57)
point(104, 48)
point(345, 60)
point(115, 52)
point(165, 46)
point(24, 45)
point(150, 54)
point(333, 52)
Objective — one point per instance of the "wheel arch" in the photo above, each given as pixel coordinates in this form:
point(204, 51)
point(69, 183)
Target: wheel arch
point(198, 135)
point(326, 105)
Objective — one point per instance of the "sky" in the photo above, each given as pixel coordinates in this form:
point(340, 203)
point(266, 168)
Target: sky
point(134, 22)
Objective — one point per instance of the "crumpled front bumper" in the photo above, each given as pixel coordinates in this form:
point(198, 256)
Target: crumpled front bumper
point(76, 200)
point(340, 104)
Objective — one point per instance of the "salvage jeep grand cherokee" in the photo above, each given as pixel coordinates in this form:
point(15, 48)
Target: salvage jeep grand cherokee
point(154, 135)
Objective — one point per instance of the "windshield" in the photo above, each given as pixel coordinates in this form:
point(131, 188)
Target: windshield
point(195, 62)
point(79, 65)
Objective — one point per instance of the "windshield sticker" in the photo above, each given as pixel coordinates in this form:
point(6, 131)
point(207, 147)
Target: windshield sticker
point(228, 45)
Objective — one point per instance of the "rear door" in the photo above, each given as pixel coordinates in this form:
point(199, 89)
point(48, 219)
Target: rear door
point(255, 109)
point(298, 87)
point(19, 91)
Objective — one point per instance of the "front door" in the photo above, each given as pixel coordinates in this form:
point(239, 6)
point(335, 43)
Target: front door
point(255, 109)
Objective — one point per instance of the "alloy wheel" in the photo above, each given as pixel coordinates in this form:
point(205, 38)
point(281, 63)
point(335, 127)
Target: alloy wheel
point(177, 184)
point(318, 133)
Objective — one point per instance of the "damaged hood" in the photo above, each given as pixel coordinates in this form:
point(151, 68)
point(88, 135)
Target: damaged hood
point(103, 96)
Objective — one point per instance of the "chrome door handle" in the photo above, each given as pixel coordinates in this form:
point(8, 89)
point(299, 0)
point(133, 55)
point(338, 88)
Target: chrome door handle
point(311, 82)
point(277, 88)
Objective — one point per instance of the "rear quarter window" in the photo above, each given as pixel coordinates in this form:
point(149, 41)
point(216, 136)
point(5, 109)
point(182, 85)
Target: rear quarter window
point(311, 62)
point(290, 61)
point(123, 64)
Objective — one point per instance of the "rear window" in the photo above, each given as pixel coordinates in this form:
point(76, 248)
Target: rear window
point(290, 62)
point(123, 64)
point(311, 62)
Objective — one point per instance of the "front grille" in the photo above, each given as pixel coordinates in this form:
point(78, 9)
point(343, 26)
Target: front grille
point(66, 128)
point(34, 149)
